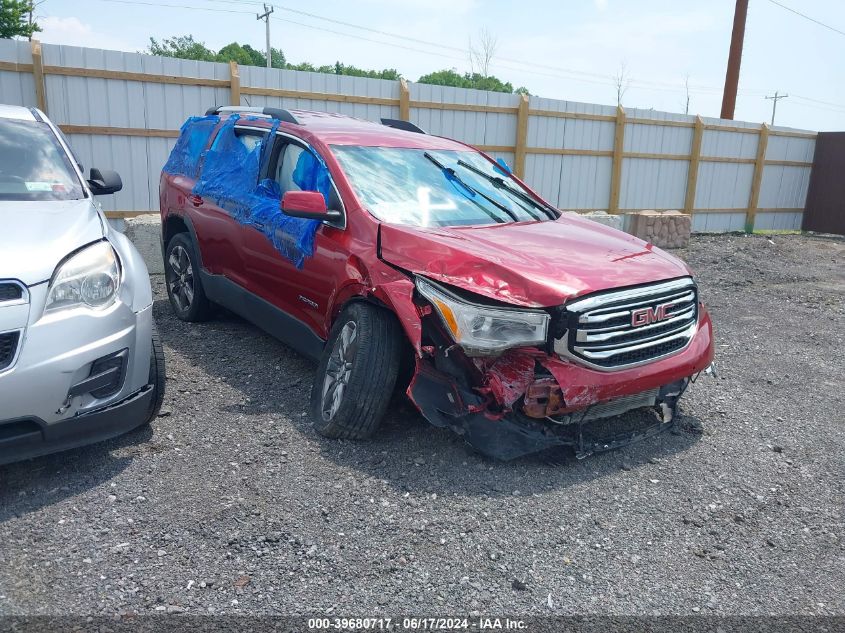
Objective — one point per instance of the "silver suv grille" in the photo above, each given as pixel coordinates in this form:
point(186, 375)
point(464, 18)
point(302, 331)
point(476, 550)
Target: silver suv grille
point(628, 327)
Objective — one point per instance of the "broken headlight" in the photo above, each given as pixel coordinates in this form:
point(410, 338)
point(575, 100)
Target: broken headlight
point(483, 330)
point(90, 278)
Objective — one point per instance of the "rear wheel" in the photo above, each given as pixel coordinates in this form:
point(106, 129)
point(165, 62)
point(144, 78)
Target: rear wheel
point(158, 375)
point(357, 373)
point(184, 286)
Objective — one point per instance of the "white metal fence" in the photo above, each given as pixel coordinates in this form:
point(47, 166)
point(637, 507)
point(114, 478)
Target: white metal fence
point(123, 111)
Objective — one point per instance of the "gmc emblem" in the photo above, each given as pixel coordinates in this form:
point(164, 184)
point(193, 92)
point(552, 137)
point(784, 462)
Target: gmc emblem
point(646, 316)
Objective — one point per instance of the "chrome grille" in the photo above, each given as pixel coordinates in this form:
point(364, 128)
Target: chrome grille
point(632, 326)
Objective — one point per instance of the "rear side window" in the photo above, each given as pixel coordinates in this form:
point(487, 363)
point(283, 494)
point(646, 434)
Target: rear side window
point(33, 164)
point(185, 158)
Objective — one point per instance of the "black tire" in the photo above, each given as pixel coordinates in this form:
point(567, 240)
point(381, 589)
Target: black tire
point(369, 378)
point(158, 375)
point(182, 278)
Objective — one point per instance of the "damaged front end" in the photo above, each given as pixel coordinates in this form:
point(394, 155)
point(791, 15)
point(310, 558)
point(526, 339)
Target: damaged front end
point(501, 378)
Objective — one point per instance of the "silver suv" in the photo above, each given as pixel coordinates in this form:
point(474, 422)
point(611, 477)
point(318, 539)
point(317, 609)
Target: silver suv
point(80, 360)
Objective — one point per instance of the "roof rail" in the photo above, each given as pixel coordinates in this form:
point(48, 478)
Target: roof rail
point(399, 124)
point(274, 113)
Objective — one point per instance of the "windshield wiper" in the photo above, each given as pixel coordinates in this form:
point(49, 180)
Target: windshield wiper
point(499, 183)
point(452, 176)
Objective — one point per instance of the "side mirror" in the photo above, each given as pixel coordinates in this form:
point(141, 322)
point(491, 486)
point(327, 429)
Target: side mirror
point(310, 205)
point(104, 181)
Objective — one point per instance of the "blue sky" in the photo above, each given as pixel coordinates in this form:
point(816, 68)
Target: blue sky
point(566, 49)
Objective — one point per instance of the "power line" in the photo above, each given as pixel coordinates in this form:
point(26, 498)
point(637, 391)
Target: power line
point(177, 6)
point(807, 17)
point(594, 78)
point(653, 86)
point(603, 79)
point(829, 103)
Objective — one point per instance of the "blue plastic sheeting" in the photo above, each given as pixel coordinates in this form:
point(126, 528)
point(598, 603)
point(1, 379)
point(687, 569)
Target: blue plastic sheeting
point(185, 157)
point(230, 179)
point(503, 167)
point(311, 174)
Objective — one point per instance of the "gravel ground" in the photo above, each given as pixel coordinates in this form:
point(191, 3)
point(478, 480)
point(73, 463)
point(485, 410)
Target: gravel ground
point(232, 504)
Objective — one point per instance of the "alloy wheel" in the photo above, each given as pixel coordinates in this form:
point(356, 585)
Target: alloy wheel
point(181, 278)
point(339, 369)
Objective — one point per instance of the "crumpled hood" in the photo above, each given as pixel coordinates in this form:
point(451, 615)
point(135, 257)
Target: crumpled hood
point(536, 264)
point(36, 236)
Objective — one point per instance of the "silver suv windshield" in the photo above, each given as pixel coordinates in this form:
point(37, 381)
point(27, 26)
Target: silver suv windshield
point(436, 187)
point(33, 166)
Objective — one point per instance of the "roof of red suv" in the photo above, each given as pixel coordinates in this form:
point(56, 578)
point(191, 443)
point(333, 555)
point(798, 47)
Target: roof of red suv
point(339, 129)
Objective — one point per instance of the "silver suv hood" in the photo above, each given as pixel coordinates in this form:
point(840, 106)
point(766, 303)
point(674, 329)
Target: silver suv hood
point(36, 236)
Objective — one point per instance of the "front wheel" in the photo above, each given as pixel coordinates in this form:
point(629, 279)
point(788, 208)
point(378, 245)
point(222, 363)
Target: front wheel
point(184, 286)
point(357, 373)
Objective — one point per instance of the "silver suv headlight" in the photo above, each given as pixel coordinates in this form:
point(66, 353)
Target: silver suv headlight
point(485, 330)
point(89, 278)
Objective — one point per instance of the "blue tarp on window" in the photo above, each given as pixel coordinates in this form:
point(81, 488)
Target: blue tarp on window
point(230, 179)
point(185, 158)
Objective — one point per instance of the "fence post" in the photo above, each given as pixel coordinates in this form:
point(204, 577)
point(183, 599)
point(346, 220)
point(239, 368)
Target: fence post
point(234, 83)
point(694, 156)
point(404, 100)
point(38, 76)
point(521, 136)
point(759, 165)
point(616, 171)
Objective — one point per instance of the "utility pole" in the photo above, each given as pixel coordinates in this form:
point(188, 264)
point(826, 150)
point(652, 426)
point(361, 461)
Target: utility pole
point(734, 59)
point(775, 103)
point(266, 17)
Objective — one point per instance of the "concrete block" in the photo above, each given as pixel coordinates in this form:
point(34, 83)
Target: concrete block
point(602, 217)
point(144, 231)
point(666, 229)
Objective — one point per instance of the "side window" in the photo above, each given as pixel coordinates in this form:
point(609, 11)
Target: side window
point(286, 158)
point(246, 140)
point(248, 137)
point(285, 166)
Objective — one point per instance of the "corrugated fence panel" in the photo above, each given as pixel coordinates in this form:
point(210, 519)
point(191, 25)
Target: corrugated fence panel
point(570, 182)
point(723, 185)
point(255, 77)
point(649, 183)
point(568, 158)
point(767, 221)
point(16, 88)
point(718, 222)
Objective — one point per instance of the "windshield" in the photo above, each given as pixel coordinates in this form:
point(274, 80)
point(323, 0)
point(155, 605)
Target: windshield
point(435, 187)
point(33, 166)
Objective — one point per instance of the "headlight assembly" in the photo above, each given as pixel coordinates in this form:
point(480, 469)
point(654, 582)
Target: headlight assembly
point(485, 330)
point(89, 278)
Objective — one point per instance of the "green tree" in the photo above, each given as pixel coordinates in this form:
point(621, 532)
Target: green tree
point(277, 58)
point(476, 81)
point(14, 19)
point(522, 90)
point(256, 56)
point(181, 46)
point(234, 52)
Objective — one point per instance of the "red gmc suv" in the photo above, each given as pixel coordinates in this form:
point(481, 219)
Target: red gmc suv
point(403, 260)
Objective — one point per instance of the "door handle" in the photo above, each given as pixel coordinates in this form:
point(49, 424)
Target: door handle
point(195, 200)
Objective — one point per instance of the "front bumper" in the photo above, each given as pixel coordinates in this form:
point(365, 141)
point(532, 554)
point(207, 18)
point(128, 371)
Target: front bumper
point(30, 437)
point(57, 351)
point(490, 418)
